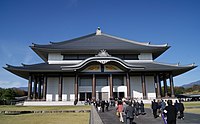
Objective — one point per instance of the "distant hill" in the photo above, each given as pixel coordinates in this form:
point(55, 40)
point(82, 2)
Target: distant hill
point(22, 88)
point(191, 84)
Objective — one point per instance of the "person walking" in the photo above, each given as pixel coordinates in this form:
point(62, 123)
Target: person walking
point(107, 105)
point(142, 108)
point(125, 104)
point(120, 111)
point(163, 105)
point(137, 107)
point(170, 111)
point(181, 109)
point(102, 105)
point(154, 107)
point(130, 111)
point(98, 105)
point(176, 104)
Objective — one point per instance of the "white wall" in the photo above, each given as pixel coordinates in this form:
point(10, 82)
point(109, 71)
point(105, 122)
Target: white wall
point(52, 89)
point(136, 87)
point(150, 87)
point(68, 89)
point(55, 56)
point(145, 56)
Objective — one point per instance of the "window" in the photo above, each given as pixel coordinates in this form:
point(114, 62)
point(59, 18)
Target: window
point(70, 57)
point(118, 80)
point(127, 56)
point(76, 56)
point(101, 81)
point(85, 81)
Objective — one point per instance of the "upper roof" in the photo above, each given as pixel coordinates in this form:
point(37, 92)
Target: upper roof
point(95, 42)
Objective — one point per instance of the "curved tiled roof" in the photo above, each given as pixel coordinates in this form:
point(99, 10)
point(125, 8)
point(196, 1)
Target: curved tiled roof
point(148, 66)
point(92, 43)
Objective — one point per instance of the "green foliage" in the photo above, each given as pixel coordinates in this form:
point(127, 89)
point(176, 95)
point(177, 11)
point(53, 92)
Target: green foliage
point(195, 89)
point(6, 95)
point(179, 90)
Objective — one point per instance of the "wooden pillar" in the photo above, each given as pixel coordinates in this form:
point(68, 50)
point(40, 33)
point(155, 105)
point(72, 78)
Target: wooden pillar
point(111, 86)
point(128, 86)
point(158, 86)
point(165, 85)
point(29, 87)
point(60, 88)
point(144, 92)
point(172, 85)
point(35, 88)
point(44, 88)
point(39, 88)
point(76, 87)
point(93, 88)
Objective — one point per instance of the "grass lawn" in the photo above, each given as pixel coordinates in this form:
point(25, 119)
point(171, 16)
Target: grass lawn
point(56, 118)
point(192, 107)
point(45, 118)
point(191, 104)
point(32, 108)
point(193, 110)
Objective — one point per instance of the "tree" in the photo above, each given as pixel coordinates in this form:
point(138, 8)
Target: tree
point(6, 95)
point(179, 90)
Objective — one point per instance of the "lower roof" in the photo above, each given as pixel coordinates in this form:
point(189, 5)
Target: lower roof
point(133, 67)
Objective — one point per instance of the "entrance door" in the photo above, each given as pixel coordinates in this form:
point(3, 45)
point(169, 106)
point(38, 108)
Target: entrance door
point(121, 94)
point(89, 95)
point(82, 97)
point(118, 95)
point(115, 95)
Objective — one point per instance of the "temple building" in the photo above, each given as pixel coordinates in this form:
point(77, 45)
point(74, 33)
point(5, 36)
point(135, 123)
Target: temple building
point(98, 66)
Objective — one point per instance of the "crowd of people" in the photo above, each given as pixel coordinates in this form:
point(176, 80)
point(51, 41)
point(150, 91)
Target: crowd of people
point(126, 110)
point(167, 110)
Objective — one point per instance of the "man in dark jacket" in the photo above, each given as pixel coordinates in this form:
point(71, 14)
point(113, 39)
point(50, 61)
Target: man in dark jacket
point(181, 109)
point(171, 113)
point(154, 106)
point(129, 113)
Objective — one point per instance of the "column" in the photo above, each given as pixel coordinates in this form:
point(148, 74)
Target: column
point(39, 88)
point(60, 88)
point(171, 85)
point(35, 88)
point(44, 88)
point(93, 88)
point(29, 87)
point(76, 87)
point(128, 86)
point(111, 86)
point(158, 85)
point(144, 92)
point(165, 85)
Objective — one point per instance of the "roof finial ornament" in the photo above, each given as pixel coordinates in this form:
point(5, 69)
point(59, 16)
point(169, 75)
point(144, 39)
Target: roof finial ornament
point(98, 31)
point(103, 53)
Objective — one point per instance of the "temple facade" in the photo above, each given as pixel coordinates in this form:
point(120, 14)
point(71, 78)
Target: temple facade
point(98, 66)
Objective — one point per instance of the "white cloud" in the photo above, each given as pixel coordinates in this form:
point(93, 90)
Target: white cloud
point(9, 84)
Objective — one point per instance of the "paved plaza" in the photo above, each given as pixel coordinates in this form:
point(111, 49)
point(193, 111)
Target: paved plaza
point(110, 118)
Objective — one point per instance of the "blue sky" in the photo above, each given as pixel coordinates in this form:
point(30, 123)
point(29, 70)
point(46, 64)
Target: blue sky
point(22, 22)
